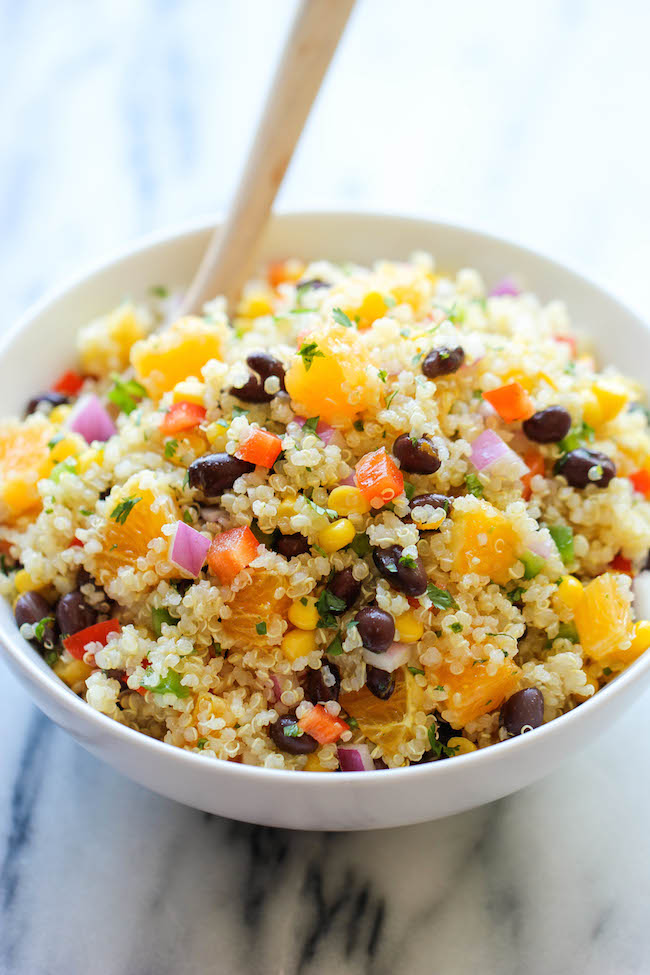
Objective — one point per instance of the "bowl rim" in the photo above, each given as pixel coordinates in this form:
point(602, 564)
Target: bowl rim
point(21, 651)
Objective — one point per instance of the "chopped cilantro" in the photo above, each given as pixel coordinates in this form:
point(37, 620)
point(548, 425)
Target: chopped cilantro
point(407, 561)
point(360, 544)
point(261, 628)
point(409, 490)
point(170, 684)
point(389, 399)
point(339, 316)
point(515, 594)
point(607, 671)
point(293, 730)
point(124, 394)
point(474, 485)
point(576, 437)
point(329, 512)
point(186, 479)
point(437, 747)
point(170, 448)
point(351, 624)
point(477, 394)
point(568, 631)
point(358, 425)
point(441, 598)
point(309, 426)
point(352, 722)
point(309, 351)
point(159, 291)
point(68, 466)
point(188, 517)
point(39, 629)
point(415, 670)
point(439, 687)
point(335, 648)
point(201, 743)
point(122, 511)
point(328, 605)
point(86, 512)
point(456, 627)
point(159, 616)
point(321, 551)
point(383, 375)
point(51, 657)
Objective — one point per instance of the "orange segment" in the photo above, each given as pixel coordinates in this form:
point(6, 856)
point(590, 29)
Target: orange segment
point(484, 541)
point(603, 620)
point(474, 692)
point(388, 724)
point(24, 460)
point(165, 359)
point(252, 605)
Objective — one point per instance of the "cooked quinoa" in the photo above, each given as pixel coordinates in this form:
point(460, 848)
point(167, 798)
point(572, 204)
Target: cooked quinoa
point(383, 516)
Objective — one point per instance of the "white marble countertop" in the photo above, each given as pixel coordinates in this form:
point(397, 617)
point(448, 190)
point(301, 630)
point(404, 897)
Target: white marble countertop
point(528, 120)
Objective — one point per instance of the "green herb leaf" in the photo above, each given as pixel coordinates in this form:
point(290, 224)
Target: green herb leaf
point(335, 648)
point(360, 544)
point(201, 743)
point(577, 437)
point(261, 628)
point(329, 512)
point(327, 605)
point(169, 684)
point(170, 448)
point(351, 722)
point(456, 627)
point(407, 561)
point(68, 466)
point(441, 598)
point(159, 291)
point(124, 394)
point(309, 426)
point(474, 485)
point(568, 631)
point(409, 490)
point(383, 375)
point(122, 511)
point(562, 535)
point(293, 730)
point(607, 671)
point(416, 670)
point(86, 512)
point(187, 517)
point(321, 551)
point(339, 316)
point(159, 616)
point(39, 629)
point(308, 352)
point(515, 595)
point(437, 747)
point(358, 425)
point(389, 399)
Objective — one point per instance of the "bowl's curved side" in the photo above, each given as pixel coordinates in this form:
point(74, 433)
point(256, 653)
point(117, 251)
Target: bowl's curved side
point(316, 800)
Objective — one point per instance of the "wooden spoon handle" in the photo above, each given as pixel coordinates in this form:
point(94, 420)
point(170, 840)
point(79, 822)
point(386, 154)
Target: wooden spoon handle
point(309, 48)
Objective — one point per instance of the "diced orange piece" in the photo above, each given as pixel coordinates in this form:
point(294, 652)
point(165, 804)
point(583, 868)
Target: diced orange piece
point(167, 358)
point(69, 383)
point(181, 416)
point(278, 272)
point(261, 448)
point(391, 723)
point(484, 541)
point(511, 402)
point(255, 603)
point(378, 478)
point(603, 620)
point(24, 460)
point(641, 482)
point(371, 308)
point(474, 692)
point(230, 552)
point(534, 461)
point(322, 725)
point(77, 642)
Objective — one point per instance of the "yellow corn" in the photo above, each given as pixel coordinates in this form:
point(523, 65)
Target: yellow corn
point(464, 745)
point(72, 672)
point(346, 500)
point(88, 458)
point(67, 447)
point(286, 509)
point(188, 392)
point(603, 402)
point(298, 643)
point(313, 764)
point(641, 639)
point(337, 535)
point(371, 308)
point(60, 413)
point(409, 628)
point(217, 434)
point(255, 305)
point(24, 582)
point(570, 591)
point(303, 613)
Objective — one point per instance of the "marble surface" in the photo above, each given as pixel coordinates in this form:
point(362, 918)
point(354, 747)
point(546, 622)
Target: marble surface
point(529, 120)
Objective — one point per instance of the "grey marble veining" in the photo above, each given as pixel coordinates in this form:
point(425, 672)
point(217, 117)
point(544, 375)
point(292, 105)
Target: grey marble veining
point(528, 120)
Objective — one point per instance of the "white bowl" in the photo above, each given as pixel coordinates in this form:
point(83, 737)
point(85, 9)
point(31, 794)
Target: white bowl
point(42, 345)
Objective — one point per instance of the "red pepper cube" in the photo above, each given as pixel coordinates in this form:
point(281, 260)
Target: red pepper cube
point(379, 478)
point(511, 402)
point(230, 552)
point(260, 448)
point(323, 726)
point(534, 461)
point(76, 643)
point(181, 416)
point(69, 383)
point(641, 482)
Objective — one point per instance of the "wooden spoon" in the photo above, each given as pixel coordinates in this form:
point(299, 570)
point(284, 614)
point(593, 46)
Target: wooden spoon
point(315, 33)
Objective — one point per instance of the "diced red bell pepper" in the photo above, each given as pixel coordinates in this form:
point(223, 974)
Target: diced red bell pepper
point(181, 416)
point(511, 402)
point(378, 478)
point(261, 448)
point(322, 725)
point(570, 341)
point(230, 552)
point(534, 461)
point(620, 564)
point(76, 643)
point(69, 383)
point(641, 482)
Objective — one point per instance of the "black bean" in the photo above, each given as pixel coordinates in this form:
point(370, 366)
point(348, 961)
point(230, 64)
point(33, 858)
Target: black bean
point(379, 764)
point(417, 455)
point(31, 608)
point(646, 565)
point(443, 361)
point(84, 578)
point(291, 545)
point(344, 586)
point(263, 366)
point(403, 572)
point(213, 473)
point(430, 501)
point(444, 730)
point(50, 399)
point(376, 628)
point(582, 467)
point(548, 426)
point(380, 682)
point(316, 688)
point(525, 709)
point(73, 613)
point(313, 283)
point(302, 744)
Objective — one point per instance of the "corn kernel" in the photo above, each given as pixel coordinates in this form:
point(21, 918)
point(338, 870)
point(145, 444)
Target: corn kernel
point(72, 672)
point(217, 434)
point(255, 305)
point(346, 500)
point(313, 764)
point(286, 509)
point(409, 628)
point(88, 458)
point(24, 582)
point(60, 414)
point(570, 591)
point(188, 392)
point(371, 308)
point(640, 640)
point(464, 745)
point(337, 535)
point(298, 643)
point(303, 613)
point(67, 447)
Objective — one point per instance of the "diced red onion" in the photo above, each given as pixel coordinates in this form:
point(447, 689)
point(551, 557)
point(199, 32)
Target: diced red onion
point(541, 544)
point(349, 480)
point(277, 690)
point(505, 287)
point(489, 449)
point(90, 419)
point(355, 758)
point(641, 591)
point(189, 549)
point(396, 656)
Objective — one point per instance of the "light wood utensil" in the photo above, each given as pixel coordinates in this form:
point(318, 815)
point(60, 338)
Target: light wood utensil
point(314, 36)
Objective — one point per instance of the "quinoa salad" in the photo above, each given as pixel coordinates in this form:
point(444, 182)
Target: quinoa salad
point(382, 516)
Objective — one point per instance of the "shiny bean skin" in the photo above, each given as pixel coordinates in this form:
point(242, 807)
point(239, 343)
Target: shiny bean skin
point(548, 426)
point(380, 682)
point(263, 366)
point(291, 545)
point(302, 745)
point(344, 586)
point(582, 467)
point(50, 399)
point(316, 690)
point(416, 455)
point(407, 576)
point(214, 473)
point(525, 709)
point(73, 613)
point(314, 283)
point(31, 608)
point(442, 362)
point(376, 628)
